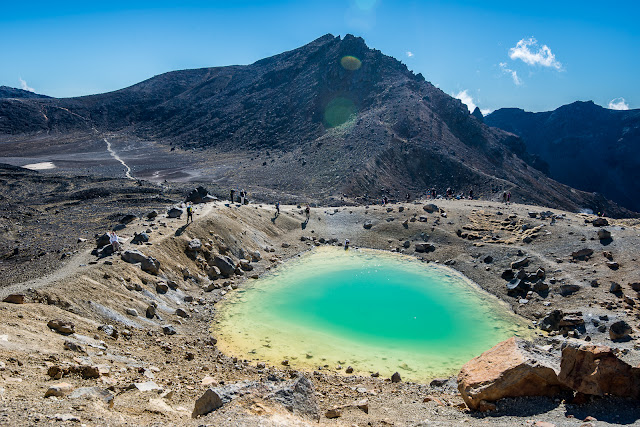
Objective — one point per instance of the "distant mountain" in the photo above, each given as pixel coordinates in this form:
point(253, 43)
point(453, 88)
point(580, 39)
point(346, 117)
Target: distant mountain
point(586, 146)
point(10, 92)
point(332, 117)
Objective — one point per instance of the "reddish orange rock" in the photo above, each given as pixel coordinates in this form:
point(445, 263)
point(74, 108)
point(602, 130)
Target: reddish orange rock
point(596, 370)
point(512, 368)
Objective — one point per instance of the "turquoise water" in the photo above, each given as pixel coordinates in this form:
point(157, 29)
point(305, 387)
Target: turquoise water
point(373, 310)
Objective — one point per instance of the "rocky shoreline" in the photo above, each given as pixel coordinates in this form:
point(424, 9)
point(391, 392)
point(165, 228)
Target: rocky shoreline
point(124, 338)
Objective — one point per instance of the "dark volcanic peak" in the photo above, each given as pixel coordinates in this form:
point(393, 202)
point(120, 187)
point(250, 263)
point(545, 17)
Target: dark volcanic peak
point(328, 118)
point(11, 92)
point(586, 146)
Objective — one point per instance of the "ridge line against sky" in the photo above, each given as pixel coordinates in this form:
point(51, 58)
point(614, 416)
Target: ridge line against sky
point(490, 54)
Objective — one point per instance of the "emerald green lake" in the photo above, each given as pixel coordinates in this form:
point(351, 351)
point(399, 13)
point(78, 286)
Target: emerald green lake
point(372, 310)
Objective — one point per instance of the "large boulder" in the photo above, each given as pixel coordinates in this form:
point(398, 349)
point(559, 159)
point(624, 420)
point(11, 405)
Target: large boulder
point(600, 222)
point(133, 256)
point(596, 370)
point(424, 247)
point(299, 397)
point(517, 286)
point(147, 263)
point(225, 265)
point(619, 331)
point(582, 254)
point(199, 195)
point(430, 208)
point(102, 240)
point(604, 234)
point(63, 327)
point(140, 238)
point(127, 218)
point(523, 262)
point(512, 368)
point(208, 402)
point(174, 213)
point(194, 246)
point(551, 322)
point(150, 265)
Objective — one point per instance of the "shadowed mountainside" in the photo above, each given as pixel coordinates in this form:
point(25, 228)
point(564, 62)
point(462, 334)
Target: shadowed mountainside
point(586, 146)
point(332, 117)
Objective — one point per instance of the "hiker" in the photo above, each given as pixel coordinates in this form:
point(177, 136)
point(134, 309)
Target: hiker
point(471, 194)
point(385, 200)
point(408, 197)
point(242, 195)
point(346, 244)
point(113, 239)
point(509, 197)
point(307, 211)
point(233, 192)
point(277, 208)
point(504, 197)
point(189, 213)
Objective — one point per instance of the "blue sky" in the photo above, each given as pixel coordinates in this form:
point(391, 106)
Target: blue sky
point(533, 55)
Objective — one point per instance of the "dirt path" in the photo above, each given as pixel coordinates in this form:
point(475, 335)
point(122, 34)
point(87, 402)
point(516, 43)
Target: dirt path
point(127, 172)
point(72, 266)
point(81, 260)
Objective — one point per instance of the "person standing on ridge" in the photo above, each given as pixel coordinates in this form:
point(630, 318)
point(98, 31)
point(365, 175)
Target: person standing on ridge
point(278, 208)
point(189, 213)
point(232, 193)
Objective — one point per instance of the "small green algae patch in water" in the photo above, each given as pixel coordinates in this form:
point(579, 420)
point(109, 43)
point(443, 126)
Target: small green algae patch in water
point(373, 310)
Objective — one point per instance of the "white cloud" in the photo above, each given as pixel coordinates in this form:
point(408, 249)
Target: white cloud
point(409, 53)
point(618, 104)
point(486, 111)
point(24, 85)
point(466, 99)
point(513, 73)
point(530, 53)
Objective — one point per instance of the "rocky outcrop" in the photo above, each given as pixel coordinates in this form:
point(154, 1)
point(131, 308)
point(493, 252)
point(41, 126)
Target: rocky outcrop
point(147, 263)
point(208, 402)
point(430, 208)
point(424, 247)
point(199, 195)
point(140, 238)
point(512, 368)
point(61, 326)
point(298, 397)
point(174, 213)
point(225, 265)
point(582, 254)
point(596, 370)
point(619, 331)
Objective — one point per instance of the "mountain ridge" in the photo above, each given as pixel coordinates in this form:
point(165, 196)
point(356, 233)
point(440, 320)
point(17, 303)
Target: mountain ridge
point(332, 117)
point(587, 146)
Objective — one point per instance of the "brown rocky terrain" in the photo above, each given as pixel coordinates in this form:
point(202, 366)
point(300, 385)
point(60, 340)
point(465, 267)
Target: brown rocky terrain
point(109, 343)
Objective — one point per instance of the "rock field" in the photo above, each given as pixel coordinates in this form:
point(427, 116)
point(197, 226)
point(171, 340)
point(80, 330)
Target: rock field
point(103, 338)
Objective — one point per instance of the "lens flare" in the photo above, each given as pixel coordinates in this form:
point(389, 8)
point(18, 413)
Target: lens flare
point(339, 111)
point(350, 63)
